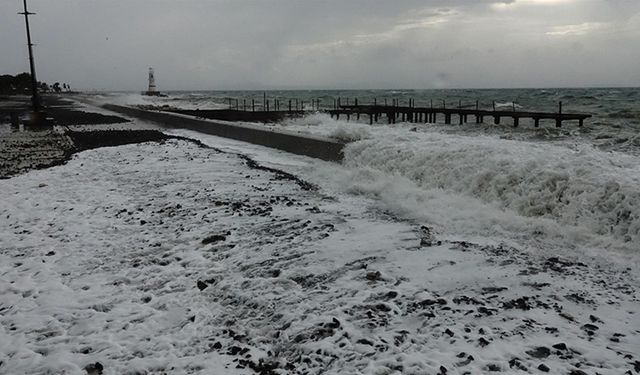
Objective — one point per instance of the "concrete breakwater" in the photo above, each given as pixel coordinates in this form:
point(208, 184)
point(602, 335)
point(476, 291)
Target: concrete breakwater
point(308, 145)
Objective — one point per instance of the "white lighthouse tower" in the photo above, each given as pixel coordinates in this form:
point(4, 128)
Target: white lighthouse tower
point(152, 91)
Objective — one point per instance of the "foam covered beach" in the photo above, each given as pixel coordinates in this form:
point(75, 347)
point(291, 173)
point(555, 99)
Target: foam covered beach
point(424, 252)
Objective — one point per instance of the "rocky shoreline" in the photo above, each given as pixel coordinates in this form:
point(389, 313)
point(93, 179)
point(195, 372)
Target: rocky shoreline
point(23, 150)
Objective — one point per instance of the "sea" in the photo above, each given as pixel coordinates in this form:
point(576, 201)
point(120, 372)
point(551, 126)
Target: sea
point(565, 190)
point(615, 124)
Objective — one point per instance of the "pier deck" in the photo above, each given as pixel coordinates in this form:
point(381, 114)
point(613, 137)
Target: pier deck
point(430, 114)
point(252, 111)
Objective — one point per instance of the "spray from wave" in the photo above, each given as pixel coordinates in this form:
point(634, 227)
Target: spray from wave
point(583, 188)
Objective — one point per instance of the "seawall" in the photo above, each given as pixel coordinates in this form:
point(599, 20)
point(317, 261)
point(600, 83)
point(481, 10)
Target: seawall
point(308, 145)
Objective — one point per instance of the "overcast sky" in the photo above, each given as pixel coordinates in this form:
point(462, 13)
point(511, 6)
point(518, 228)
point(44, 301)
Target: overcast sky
point(261, 44)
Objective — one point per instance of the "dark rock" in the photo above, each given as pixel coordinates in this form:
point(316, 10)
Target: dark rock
point(392, 294)
point(485, 311)
point(567, 316)
point(493, 289)
point(364, 342)
point(213, 239)
point(192, 318)
point(202, 285)
point(443, 370)
point(217, 345)
point(577, 372)
point(289, 366)
point(595, 319)
point(515, 362)
point(94, 369)
point(334, 324)
point(430, 302)
point(468, 300)
point(590, 327)
point(540, 352)
point(560, 346)
point(559, 265)
point(537, 286)
point(234, 350)
point(142, 222)
point(449, 332)
point(483, 342)
point(636, 366)
point(521, 303)
point(493, 367)
point(543, 368)
point(50, 253)
point(374, 276)
point(426, 237)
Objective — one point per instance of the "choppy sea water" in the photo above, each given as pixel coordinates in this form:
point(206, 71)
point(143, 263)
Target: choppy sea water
point(615, 124)
point(575, 187)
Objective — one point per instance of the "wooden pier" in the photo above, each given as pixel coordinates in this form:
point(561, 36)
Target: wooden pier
point(275, 110)
point(409, 113)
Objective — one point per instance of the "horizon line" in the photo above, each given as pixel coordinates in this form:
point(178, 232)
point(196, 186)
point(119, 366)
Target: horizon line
point(370, 89)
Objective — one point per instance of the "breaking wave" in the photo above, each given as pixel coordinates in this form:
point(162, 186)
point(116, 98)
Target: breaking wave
point(581, 187)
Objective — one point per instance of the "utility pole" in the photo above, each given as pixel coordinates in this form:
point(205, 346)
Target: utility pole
point(35, 99)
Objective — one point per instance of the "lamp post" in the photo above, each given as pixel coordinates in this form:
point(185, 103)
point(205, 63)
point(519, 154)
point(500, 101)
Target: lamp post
point(35, 99)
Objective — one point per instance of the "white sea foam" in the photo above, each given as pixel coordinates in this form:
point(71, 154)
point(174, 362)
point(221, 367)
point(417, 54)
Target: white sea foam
point(564, 192)
point(323, 124)
point(570, 195)
point(114, 263)
point(183, 101)
point(500, 105)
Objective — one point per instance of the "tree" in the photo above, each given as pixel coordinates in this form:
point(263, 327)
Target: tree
point(19, 84)
point(43, 86)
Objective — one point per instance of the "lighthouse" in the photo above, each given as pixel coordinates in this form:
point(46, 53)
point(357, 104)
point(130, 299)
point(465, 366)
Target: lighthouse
point(152, 91)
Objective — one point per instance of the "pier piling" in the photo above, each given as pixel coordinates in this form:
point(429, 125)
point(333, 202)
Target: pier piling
point(408, 111)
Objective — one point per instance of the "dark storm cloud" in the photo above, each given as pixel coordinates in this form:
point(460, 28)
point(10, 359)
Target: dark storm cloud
point(213, 44)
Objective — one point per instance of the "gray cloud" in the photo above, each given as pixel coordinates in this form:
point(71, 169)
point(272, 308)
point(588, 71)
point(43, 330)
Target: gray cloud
point(225, 44)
